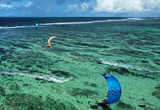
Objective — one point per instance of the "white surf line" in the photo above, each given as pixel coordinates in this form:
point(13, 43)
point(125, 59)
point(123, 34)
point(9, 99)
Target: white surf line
point(71, 23)
point(89, 22)
point(127, 66)
point(85, 22)
point(43, 77)
point(16, 27)
point(13, 27)
point(136, 19)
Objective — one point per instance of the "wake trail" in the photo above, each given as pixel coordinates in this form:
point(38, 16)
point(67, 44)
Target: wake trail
point(128, 66)
point(51, 78)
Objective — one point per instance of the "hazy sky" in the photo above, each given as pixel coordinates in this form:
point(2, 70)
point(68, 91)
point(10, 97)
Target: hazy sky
point(80, 8)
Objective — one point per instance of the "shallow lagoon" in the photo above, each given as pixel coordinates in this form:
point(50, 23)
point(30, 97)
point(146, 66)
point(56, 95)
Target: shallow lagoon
point(34, 76)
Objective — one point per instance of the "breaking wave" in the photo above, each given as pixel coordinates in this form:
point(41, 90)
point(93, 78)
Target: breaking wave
point(40, 76)
point(135, 19)
point(128, 66)
point(71, 23)
point(13, 27)
point(86, 22)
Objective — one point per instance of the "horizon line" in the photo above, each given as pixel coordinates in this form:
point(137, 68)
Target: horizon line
point(70, 17)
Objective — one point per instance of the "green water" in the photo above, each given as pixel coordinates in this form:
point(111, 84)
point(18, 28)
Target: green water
point(34, 76)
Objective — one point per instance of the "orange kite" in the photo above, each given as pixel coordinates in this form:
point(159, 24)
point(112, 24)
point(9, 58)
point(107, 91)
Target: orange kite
point(49, 40)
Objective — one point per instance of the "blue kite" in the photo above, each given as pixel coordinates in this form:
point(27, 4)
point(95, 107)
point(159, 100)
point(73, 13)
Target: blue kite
point(114, 89)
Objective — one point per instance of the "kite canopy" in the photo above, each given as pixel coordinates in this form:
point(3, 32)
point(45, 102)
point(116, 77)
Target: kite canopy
point(49, 40)
point(114, 89)
point(36, 25)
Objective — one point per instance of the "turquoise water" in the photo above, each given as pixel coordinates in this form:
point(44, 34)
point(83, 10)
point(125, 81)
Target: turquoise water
point(69, 74)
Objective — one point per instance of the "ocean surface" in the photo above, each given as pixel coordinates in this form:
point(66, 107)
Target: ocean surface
point(67, 77)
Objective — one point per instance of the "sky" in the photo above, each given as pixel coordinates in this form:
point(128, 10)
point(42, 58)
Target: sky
point(79, 8)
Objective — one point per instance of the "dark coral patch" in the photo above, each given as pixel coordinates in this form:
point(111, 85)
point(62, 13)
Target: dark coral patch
point(14, 61)
point(94, 107)
point(142, 106)
point(30, 102)
point(22, 101)
point(6, 57)
point(121, 71)
point(158, 52)
point(123, 105)
point(144, 61)
point(157, 92)
point(104, 106)
point(14, 86)
point(21, 45)
point(2, 91)
point(3, 58)
point(2, 51)
point(90, 84)
point(158, 87)
point(125, 71)
point(39, 66)
point(157, 62)
point(61, 74)
point(82, 92)
point(28, 66)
